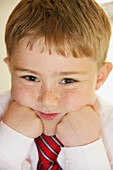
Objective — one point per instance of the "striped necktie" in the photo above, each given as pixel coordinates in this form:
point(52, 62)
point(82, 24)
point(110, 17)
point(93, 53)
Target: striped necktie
point(48, 148)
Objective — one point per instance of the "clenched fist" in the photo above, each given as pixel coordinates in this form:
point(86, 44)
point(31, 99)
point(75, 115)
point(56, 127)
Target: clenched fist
point(80, 127)
point(23, 120)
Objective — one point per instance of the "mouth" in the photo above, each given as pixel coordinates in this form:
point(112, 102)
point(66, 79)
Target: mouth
point(47, 116)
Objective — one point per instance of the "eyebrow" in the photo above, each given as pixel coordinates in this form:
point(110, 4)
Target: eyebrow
point(71, 72)
point(63, 73)
point(26, 70)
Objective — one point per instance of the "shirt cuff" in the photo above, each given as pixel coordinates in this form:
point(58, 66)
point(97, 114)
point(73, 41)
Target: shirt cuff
point(92, 156)
point(14, 146)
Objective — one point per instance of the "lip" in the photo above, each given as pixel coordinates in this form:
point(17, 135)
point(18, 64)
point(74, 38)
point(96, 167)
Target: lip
point(47, 116)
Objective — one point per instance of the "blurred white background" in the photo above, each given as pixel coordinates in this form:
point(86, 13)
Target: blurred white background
point(6, 6)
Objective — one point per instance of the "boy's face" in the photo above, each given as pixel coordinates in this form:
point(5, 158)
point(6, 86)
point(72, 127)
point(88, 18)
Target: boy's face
point(51, 84)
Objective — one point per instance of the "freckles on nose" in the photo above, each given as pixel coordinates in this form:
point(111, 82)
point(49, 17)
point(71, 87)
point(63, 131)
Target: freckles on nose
point(51, 96)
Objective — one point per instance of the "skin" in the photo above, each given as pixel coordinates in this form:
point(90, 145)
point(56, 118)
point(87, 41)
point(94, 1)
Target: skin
point(51, 83)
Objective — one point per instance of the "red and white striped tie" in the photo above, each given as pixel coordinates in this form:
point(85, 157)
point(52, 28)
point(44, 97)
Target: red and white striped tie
point(48, 148)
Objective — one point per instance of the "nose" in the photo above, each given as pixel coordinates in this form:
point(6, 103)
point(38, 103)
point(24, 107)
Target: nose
point(49, 98)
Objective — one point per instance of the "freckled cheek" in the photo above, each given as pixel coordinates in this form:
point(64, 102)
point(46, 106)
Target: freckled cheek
point(23, 95)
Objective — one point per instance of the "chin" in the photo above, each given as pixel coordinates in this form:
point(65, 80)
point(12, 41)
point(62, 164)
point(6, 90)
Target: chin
point(49, 127)
point(49, 130)
point(49, 133)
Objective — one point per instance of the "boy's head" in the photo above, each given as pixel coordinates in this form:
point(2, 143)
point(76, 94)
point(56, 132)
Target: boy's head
point(55, 49)
point(82, 24)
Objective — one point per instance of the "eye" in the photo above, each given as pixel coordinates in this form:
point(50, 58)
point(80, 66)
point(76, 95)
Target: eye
point(68, 81)
point(30, 78)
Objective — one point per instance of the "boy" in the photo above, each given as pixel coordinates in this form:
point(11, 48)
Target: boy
point(56, 55)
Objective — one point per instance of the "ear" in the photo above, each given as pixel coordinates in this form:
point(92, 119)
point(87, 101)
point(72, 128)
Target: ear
point(103, 74)
point(6, 60)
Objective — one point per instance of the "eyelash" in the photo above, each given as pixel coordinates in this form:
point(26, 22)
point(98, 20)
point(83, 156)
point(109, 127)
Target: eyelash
point(69, 81)
point(30, 78)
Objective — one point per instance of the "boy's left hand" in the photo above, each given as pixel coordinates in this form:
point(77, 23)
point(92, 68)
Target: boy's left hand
point(80, 127)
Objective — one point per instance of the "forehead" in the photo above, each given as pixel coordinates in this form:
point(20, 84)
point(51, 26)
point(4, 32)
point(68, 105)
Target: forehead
point(41, 54)
point(30, 43)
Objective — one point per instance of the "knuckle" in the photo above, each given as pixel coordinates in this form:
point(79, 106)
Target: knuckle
point(40, 131)
point(40, 126)
point(59, 128)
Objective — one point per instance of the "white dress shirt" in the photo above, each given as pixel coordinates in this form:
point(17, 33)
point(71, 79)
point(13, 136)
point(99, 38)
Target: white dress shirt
point(18, 152)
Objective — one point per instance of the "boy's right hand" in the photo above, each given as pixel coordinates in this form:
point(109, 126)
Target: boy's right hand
point(23, 120)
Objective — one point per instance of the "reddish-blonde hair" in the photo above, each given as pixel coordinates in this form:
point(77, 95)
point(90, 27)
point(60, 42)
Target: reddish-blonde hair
point(82, 24)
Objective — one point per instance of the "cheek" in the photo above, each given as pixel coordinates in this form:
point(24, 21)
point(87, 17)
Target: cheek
point(75, 100)
point(22, 94)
